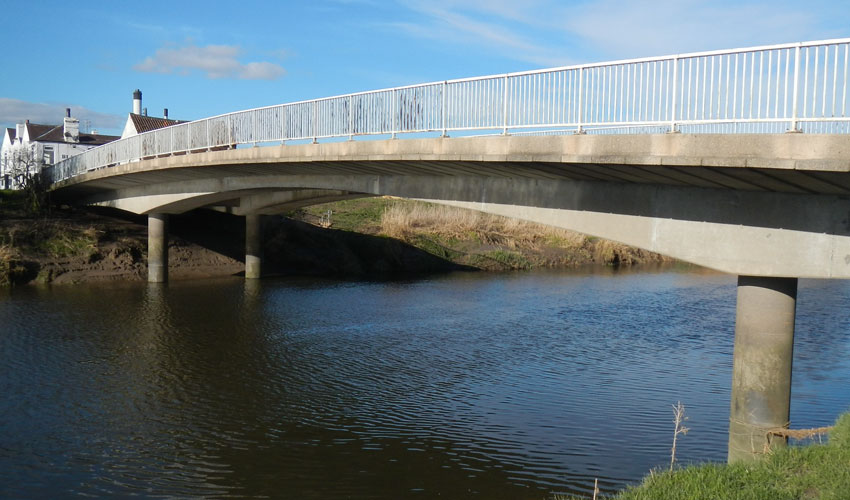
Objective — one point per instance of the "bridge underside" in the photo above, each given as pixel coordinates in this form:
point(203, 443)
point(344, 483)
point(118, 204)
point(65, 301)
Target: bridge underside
point(763, 206)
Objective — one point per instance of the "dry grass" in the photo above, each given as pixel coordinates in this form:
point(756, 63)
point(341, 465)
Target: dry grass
point(472, 231)
point(401, 220)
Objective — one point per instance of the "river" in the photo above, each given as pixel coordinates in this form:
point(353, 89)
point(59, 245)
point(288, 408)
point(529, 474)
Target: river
point(497, 386)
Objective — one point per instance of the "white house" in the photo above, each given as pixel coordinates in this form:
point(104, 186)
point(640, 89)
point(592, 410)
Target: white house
point(29, 147)
point(138, 121)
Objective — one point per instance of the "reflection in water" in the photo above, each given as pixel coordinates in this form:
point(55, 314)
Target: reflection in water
point(508, 386)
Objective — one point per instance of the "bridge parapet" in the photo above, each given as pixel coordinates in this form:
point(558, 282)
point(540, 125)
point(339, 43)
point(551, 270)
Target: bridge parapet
point(798, 87)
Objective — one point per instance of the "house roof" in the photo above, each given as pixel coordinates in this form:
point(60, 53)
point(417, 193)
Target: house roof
point(56, 133)
point(12, 133)
point(144, 123)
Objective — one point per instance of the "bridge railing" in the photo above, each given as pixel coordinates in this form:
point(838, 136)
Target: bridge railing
point(799, 87)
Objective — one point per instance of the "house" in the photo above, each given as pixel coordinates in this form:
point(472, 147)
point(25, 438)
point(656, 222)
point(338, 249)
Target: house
point(29, 147)
point(138, 121)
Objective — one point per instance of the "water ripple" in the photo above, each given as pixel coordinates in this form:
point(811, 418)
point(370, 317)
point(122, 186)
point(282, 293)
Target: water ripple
point(509, 386)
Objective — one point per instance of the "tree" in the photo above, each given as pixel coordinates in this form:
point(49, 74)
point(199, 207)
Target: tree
point(24, 168)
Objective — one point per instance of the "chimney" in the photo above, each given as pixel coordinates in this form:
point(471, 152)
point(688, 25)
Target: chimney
point(144, 111)
point(137, 102)
point(19, 131)
point(165, 113)
point(71, 127)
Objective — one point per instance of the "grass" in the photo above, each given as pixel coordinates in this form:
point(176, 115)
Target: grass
point(815, 471)
point(26, 239)
point(49, 238)
point(362, 215)
point(402, 217)
point(473, 238)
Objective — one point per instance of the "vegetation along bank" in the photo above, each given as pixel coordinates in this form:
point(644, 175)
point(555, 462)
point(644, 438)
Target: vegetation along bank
point(816, 471)
point(368, 238)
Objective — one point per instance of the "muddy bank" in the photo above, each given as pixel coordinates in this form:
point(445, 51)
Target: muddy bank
point(81, 245)
point(373, 238)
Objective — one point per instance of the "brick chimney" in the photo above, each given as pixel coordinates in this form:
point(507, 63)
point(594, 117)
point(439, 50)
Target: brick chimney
point(71, 127)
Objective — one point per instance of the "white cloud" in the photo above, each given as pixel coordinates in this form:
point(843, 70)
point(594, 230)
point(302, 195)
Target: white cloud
point(554, 32)
point(16, 111)
point(214, 61)
point(497, 25)
point(628, 28)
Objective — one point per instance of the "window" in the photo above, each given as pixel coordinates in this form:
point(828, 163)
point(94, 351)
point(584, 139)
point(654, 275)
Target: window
point(48, 155)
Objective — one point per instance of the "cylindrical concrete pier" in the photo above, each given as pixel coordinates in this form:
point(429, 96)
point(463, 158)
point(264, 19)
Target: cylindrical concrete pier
point(761, 372)
point(253, 246)
point(157, 248)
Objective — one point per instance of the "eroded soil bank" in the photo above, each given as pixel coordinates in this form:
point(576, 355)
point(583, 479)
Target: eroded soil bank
point(374, 238)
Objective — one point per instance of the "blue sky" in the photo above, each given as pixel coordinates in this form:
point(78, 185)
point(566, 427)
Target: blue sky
point(206, 58)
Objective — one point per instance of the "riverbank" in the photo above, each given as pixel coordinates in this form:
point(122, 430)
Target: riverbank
point(370, 238)
point(475, 239)
point(815, 471)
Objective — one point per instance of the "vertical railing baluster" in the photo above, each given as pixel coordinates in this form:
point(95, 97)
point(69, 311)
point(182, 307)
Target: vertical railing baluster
point(505, 106)
point(673, 96)
point(443, 109)
point(580, 101)
point(846, 83)
point(796, 92)
point(834, 81)
point(315, 122)
point(393, 126)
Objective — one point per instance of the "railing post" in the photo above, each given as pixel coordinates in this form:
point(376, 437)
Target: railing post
point(395, 108)
point(580, 110)
point(505, 108)
point(315, 121)
point(675, 101)
point(230, 131)
point(350, 118)
point(283, 130)
point(796, 93)
point(443, 112)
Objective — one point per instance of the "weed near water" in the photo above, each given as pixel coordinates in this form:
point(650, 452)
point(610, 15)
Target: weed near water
point(815, 471)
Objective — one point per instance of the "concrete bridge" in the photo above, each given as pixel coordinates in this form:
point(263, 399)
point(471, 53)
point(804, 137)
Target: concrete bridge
point(736, 160)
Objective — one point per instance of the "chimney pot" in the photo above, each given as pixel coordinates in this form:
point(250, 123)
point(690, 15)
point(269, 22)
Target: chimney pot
point(144, 111)
point(165, 113)
point(137, 102)
point(67, 112)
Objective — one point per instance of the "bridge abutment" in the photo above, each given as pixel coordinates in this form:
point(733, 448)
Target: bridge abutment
point(761, 372)
point(157, 248)
point(253, 246)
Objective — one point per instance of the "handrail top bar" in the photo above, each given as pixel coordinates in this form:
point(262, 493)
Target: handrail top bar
point(620, 62)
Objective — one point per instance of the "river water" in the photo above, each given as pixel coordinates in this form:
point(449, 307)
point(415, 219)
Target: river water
point(502, 386)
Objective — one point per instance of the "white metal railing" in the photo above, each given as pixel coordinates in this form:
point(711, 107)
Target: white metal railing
point(799, 87)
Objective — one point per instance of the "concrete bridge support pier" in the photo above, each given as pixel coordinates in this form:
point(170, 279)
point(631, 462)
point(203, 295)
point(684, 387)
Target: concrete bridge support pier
point(253, 246)
point(761, 372)
point(157, 248)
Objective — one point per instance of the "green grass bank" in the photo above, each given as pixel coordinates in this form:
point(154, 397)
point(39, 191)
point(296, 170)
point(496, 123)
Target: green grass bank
point(810, 472)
